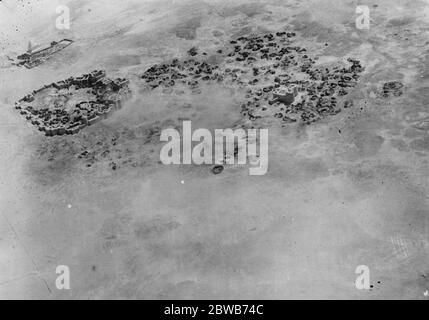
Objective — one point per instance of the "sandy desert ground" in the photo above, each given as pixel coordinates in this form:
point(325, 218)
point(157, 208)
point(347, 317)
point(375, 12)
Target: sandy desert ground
point(349, 190)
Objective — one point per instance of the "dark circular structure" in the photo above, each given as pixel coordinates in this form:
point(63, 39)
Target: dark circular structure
point(217, 169)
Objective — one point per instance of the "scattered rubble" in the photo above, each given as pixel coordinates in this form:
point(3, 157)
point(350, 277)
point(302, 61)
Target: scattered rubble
point(193, 51)
point(112, 148)
point(49, 109)
point(392, 88)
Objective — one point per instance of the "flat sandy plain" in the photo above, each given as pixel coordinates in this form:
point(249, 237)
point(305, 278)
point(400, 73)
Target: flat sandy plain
point(349, 190)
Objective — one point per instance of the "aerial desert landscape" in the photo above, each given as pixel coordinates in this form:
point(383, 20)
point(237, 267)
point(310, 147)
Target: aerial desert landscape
point(345, 102)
